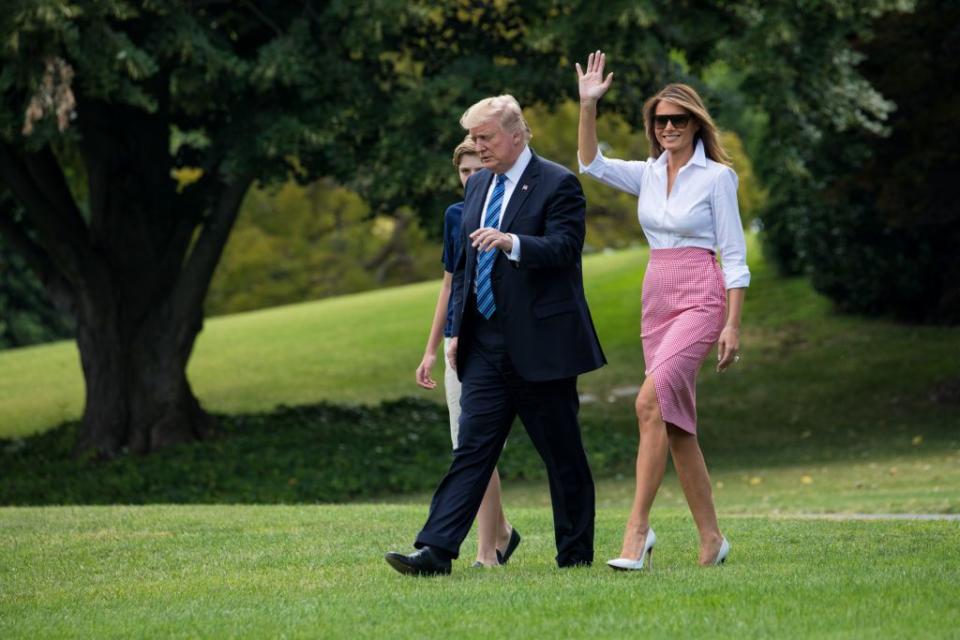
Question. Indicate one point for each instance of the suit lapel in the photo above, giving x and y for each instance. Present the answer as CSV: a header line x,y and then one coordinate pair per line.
x,y
525,186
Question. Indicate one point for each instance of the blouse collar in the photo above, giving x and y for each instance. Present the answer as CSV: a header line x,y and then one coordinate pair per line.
x,y
699,157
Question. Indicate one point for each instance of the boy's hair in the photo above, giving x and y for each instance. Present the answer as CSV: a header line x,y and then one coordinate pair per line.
x,y
464,148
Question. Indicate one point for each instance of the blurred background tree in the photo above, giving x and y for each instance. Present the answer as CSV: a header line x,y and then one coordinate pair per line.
x,y
27,315
884,234
852,111
294,243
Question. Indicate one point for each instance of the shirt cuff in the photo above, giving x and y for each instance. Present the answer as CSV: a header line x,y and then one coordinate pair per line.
x,y
736,276
596,167
514,255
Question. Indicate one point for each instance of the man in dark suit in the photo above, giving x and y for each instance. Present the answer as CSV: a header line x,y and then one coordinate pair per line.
x,y
523,335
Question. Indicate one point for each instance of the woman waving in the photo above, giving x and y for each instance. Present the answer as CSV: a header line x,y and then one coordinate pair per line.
x,y
687,207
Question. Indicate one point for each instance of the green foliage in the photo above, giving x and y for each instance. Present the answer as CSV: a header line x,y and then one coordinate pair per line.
x,y
314,453
806,89
331,70
26,314
367,94
884,238
297,243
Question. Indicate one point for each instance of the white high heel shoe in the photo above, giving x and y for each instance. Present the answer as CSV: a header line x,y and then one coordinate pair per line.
x,y
722,554
626,564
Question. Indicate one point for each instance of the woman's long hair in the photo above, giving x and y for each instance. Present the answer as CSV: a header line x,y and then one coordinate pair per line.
x,y
686,97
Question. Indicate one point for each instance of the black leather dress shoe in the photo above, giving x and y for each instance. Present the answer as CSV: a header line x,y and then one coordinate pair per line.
x,y
511,547
425,562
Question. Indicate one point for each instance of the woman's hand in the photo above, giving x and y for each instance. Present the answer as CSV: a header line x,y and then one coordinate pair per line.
x,y
423,371
592,84
727,347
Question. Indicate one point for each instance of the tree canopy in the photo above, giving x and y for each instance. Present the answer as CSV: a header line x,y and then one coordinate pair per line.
x,y
874,222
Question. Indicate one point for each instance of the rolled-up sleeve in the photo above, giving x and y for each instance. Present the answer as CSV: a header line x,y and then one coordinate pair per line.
x,y
728,227
625,175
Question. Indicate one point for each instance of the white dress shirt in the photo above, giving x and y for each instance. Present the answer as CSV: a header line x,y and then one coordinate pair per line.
x,y
512,176
701,210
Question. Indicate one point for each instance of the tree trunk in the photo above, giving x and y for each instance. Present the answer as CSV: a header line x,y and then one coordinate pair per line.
x,y
134,268
138,398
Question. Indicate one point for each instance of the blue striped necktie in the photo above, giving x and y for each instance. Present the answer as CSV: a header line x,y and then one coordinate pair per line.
x,y
485,304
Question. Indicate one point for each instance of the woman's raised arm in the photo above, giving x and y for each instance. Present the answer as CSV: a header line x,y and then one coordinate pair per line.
x,y
592,87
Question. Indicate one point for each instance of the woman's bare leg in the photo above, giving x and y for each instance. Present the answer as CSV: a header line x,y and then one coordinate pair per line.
x,y
651,465
695,480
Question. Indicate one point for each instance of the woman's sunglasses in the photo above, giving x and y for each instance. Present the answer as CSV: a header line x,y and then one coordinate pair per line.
x,y
679,120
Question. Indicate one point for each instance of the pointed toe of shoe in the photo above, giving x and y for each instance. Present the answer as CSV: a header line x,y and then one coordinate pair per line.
x,y
646,558
625,564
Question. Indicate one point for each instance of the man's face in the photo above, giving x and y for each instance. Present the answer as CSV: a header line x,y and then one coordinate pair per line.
x,y
469,165
498,149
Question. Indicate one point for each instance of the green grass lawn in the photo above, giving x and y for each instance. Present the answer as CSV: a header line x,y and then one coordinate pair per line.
x,y
316,571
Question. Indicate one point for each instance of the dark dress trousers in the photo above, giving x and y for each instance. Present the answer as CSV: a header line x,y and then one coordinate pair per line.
x,y
524,360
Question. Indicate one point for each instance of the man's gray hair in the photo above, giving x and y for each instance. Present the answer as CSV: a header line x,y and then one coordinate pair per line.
x,y
504,109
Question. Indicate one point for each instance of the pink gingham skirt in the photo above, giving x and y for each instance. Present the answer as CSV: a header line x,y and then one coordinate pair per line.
x,y
684,306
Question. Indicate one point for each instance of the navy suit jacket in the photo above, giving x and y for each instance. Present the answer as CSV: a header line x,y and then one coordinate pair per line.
x,y
541,307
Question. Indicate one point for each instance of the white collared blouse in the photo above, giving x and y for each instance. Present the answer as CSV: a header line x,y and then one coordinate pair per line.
x,y
701,210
